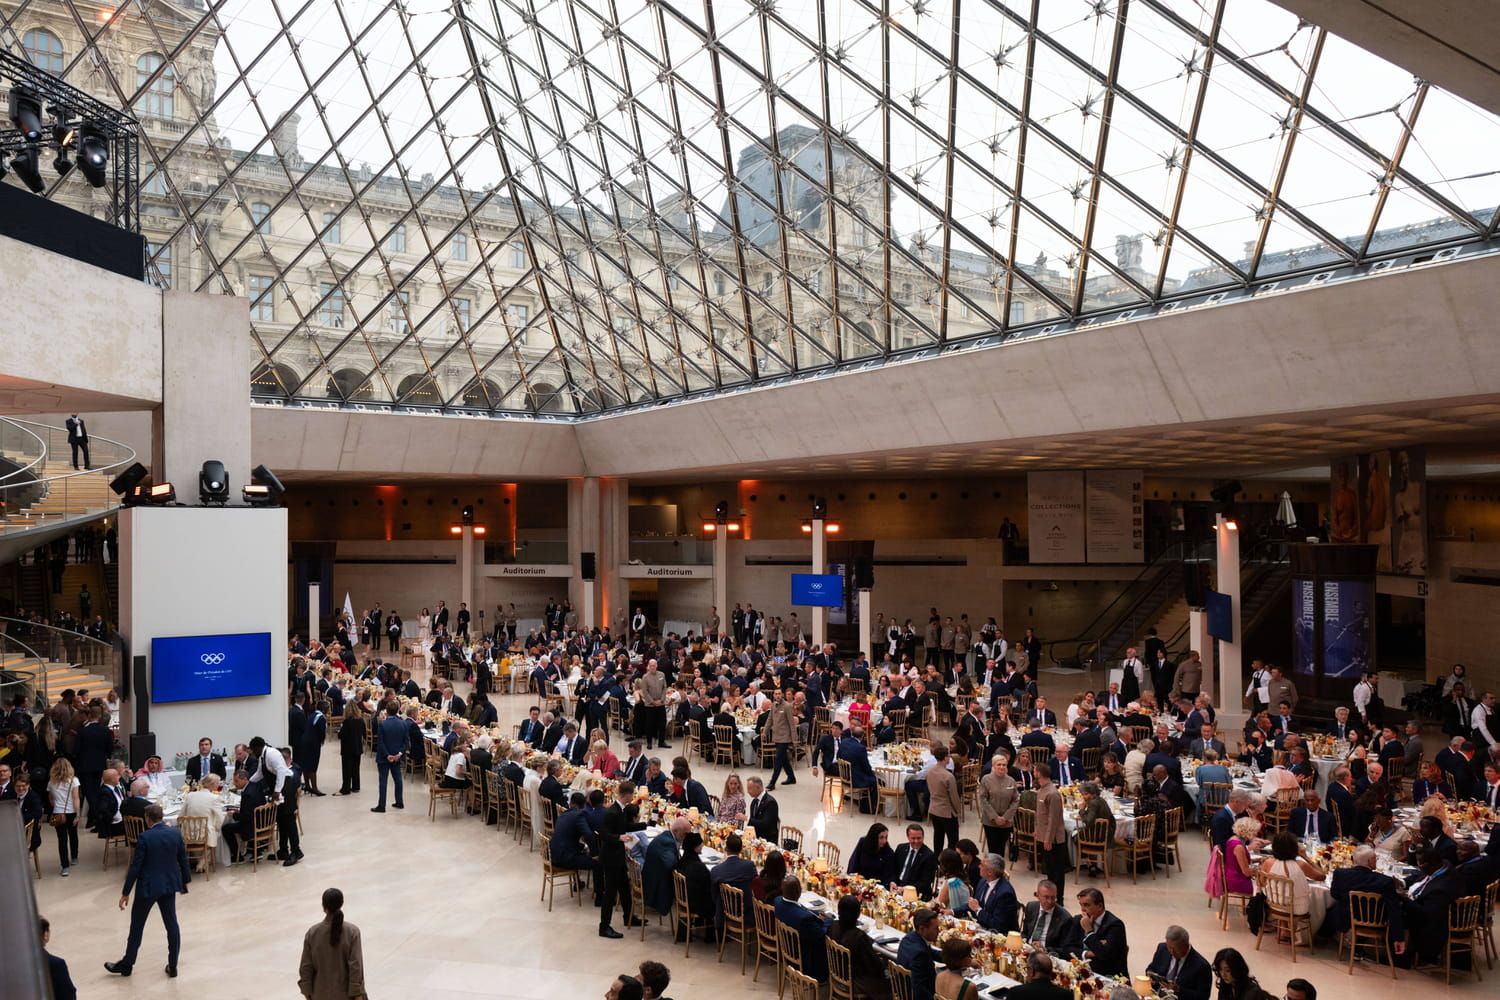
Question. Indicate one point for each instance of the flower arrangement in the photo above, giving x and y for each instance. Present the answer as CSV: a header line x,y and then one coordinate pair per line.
x,y
906,754
744,717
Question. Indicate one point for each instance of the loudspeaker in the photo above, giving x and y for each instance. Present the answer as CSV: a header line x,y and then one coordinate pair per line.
x,y
864,573
586,565
142,745
1194,584
139,693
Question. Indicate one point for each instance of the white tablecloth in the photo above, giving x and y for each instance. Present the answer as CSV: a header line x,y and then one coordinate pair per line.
x,y
171,811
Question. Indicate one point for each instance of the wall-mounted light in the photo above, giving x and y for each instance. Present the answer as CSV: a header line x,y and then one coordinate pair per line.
x,y
455,529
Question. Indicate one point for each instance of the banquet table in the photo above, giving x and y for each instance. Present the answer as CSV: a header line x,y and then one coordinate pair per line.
x,y
894,775
840,714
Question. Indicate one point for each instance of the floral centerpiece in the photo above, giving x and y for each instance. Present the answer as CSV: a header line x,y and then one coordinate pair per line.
x,y
906,754
744,717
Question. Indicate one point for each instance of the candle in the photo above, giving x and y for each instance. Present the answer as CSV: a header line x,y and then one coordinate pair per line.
x,y
1143,986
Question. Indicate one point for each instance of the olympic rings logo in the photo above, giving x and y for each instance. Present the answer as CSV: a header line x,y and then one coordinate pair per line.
x,y
212,659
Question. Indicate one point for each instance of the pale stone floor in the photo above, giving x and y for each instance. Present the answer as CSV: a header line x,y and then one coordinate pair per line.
x,y
449,909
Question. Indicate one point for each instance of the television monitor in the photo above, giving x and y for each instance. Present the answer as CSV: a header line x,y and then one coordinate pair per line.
x,y
204,667
824,590
1219,609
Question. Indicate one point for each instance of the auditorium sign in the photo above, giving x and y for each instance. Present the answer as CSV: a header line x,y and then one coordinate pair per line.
x,y
643,571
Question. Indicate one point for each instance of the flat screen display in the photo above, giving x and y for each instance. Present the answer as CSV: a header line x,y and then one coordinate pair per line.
x,y
823,590
203,667
1220,612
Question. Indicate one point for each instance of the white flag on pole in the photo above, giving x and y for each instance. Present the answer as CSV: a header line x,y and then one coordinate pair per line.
x,y
349,612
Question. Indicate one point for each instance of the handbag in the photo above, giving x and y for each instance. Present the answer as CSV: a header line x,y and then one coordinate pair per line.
x,y
59,819
1256,911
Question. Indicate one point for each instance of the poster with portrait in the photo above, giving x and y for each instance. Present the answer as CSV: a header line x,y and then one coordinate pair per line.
x,y
1408,511
1343,500
1375,506
1348,628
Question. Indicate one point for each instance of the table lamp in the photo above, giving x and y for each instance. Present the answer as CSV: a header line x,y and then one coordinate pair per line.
x,y
1143,986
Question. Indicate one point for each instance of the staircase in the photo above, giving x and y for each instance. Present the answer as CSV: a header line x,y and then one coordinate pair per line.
x,y
51,660
42,497
66,496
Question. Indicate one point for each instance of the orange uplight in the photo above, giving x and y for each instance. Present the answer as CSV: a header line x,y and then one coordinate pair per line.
x,y
479,530
455,529
733,527
807,527
709,527
832,527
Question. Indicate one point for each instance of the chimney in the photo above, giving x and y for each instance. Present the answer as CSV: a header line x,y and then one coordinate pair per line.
x,y
284,138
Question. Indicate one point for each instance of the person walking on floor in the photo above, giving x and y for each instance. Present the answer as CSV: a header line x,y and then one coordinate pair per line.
x,y
391,738
333,962
159,870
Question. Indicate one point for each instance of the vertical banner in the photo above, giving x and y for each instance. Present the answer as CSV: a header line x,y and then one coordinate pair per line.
x,y
1376,523
1115,525
1304,627
1055,503
1409,511
1347,627
1343,500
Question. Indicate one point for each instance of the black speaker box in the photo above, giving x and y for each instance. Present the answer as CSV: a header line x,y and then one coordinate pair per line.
x,y
1194,584
588,567
864,573
142,745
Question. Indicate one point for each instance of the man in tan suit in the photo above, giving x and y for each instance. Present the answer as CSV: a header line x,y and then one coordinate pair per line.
x,y
651,706
946,803
1051,837
998,798
783,726
1188,681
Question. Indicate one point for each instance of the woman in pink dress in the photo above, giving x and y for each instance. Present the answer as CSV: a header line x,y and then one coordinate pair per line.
x,y
1237,866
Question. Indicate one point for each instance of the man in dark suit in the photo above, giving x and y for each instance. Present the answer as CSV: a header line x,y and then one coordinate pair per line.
x,y
826,751
108,805
391,740
91,750
159,870
1361,876
662,856
1428,897
575,843
808,925
1206,740
206,762
1039,984
572,746
1100,935
619,824
1041,713
1178,966
733,870
136,802
392,631
296,721
532,730
1475,871
762,813
633,768
78,439
1046,923
1430,836
914,864
993,904
1309,820
1036,738
551,789
915,952
552,734
852,749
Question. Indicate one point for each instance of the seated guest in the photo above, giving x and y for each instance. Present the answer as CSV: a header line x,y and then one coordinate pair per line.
x,y
688,792
953,891
1039,984
1361,876
700,885
766,886
1430,783
135,804
1093,808
852,749
575,843
1428,898
735,871
1177,966
1099,936
456,773
239,823
867,969
551,787
1111,774
958,957
1430,835
1206,741
662,856
1287,861
914,864
602,759
158,781
1235,981
1386,835
1257,752
656,779
1475,870
1046,925
108,805
205,802
993,905
206,762
1238,869
1310,822
808,925
915,953
871,857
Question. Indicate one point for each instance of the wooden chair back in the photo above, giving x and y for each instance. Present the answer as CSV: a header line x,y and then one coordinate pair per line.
x,y
793,834
1092,758
840,972
724,739
829,852
765,938
802,987
134,827
732,910
789,946
900,978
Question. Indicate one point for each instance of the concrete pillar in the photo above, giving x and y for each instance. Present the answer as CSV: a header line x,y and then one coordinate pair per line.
x,y
584,528
599,522
1199,639
819,565
205,410
866,616
466,566
313,604
721,574
1227,581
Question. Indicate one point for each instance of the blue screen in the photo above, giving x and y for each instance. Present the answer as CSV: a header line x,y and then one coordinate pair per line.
x,y
200,667
1220,612
819,590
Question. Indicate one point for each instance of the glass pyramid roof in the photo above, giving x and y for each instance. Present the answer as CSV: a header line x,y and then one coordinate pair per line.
x,y
572,206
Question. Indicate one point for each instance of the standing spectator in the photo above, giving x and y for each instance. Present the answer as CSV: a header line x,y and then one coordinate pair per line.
x,y
78,439
1280,689
62,796
391,737
159,870
351,749
333,963
57,969
85,603
1051,838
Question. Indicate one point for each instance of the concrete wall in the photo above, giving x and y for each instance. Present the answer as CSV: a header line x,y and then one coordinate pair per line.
x,y
79,329
205,412
1460,616
200,571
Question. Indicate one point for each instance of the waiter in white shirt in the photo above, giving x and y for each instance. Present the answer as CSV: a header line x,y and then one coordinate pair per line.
x,y
273,770
1132,675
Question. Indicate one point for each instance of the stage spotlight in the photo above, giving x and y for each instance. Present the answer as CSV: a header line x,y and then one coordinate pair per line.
x,y
27,163
265,489
153,494
62,138
127,481
213,483
93,155
26,113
